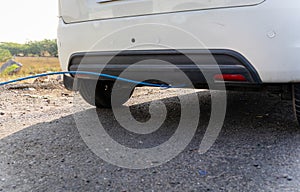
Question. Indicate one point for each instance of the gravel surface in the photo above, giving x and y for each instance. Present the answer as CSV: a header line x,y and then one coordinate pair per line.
x,y
41,148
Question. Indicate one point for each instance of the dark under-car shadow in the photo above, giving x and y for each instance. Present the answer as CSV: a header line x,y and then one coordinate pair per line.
x,y
258,148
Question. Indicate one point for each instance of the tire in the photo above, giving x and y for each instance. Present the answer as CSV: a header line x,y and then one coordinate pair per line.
x,y
96,93
99,93
296,99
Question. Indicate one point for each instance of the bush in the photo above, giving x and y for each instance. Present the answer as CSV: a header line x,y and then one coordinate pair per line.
x,y
13,69
5,55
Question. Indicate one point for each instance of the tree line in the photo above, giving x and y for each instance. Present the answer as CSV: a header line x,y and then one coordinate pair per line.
x,y
46,47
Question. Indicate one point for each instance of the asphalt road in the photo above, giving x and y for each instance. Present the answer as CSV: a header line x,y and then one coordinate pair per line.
x,y
258,150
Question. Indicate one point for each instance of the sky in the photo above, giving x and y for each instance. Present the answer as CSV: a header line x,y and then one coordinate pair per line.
x,y
28,20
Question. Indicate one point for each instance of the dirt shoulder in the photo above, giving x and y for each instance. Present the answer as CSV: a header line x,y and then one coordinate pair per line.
x,y
20,108
24,105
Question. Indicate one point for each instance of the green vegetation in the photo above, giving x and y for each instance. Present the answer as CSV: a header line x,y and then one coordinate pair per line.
x,y
32,65
10,70
5,55
42,48
35,56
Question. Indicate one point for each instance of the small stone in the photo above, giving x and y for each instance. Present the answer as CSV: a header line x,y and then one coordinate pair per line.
x,y
202,173
119,169
31,89
285,176
257,166
65,94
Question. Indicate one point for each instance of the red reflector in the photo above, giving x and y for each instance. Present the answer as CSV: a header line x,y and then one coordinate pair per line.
x,y
229,77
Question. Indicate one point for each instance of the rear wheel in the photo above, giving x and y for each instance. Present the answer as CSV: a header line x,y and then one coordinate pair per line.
x,y
296,99
99,93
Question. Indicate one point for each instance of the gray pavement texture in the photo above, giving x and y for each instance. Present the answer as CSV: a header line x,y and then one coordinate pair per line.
x,y
257,150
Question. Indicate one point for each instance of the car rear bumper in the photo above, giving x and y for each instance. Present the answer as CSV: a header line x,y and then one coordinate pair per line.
x,y
200,66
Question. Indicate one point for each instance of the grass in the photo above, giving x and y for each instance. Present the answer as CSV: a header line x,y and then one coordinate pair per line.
x,y
33,65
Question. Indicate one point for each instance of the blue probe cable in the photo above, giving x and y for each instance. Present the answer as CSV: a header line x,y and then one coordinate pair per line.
x,y
89,73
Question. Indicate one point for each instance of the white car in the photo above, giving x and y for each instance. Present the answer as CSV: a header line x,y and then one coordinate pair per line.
x,y
255,44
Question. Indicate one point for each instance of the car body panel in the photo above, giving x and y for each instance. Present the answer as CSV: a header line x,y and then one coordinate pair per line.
x,y
267,35
86,10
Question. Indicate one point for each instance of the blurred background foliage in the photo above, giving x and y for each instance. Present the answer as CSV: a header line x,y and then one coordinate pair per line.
x,y
44,48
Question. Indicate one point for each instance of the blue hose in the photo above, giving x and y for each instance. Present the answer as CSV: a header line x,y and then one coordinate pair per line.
x,y
89,73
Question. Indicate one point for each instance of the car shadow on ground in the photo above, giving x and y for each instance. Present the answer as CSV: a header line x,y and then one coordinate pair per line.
x,y
257,149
